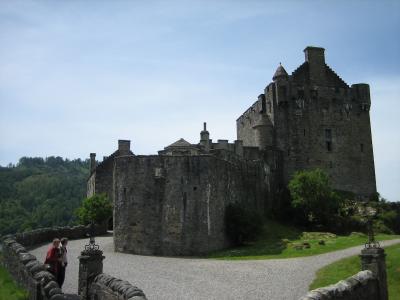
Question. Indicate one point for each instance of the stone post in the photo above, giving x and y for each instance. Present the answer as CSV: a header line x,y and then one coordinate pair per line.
x,y
90,265
373,259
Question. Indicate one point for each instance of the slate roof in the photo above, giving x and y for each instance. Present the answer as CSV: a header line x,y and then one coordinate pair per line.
x,y
280,72
180,143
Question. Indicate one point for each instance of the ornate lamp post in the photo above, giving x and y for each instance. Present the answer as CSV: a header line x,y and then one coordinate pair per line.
x,y
369,213
373,256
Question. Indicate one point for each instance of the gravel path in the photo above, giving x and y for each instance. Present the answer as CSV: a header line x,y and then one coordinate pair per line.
x,y
186,278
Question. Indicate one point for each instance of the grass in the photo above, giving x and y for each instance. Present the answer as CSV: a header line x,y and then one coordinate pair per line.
x,y
281,241
8,288
349,266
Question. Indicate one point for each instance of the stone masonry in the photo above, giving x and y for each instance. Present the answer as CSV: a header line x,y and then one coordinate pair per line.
x,y
174,203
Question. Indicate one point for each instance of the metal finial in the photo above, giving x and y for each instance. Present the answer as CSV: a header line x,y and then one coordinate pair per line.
x,y
92,248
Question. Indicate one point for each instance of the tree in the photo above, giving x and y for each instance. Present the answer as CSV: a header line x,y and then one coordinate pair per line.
x,y
96,208
242,223
313,197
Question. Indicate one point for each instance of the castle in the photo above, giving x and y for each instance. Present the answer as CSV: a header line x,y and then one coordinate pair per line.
x,y
173,203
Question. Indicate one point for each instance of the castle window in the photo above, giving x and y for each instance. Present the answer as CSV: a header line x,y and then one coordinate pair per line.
x,y
328,139
337,90
329,146
304,132
300,94
269,107
314,94
328,134
331,164
362,147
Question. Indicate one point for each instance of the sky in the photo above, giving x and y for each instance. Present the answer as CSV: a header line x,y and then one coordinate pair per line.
x,y
76,76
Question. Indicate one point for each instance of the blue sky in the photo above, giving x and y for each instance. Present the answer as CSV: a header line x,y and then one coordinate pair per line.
x,y
76,76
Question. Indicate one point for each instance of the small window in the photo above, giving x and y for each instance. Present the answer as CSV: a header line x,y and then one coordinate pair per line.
x,y
314,94
304,132
328,134
329,146
362,147
300,94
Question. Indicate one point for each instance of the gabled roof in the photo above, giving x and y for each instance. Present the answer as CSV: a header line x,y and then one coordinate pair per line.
x,y
180,143
302,74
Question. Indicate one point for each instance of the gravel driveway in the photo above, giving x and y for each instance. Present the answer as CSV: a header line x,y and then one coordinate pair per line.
x,y
187,278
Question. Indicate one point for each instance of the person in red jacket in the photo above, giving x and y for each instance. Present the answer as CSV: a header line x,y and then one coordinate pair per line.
x,y
53,257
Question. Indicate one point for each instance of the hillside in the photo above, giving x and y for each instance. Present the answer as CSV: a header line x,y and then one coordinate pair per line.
x,y
41,192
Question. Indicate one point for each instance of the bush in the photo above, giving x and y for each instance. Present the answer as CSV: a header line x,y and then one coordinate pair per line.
x,y
242,223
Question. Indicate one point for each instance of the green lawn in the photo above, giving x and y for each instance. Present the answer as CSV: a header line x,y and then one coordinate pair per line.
x,y
349,266
280,241
8,289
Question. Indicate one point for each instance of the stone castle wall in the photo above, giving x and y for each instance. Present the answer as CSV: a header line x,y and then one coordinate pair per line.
x,y
175,205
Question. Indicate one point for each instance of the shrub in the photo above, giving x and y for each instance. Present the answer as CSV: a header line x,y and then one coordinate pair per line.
x,y
242,223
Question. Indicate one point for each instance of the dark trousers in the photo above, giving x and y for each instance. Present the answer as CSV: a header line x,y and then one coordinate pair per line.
x,y
61,276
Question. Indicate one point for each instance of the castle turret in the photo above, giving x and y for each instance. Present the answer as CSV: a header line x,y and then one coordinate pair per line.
x,y
264,132
205,138
280,73
281,82
316,63
92,162
361,95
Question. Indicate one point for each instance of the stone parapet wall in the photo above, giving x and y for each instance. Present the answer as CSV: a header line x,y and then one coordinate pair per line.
x,y
30,273
106,287
46,235
363,285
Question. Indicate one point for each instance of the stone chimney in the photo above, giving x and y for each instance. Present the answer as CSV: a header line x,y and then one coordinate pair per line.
x,y
124,147
205,138
316,62
92,162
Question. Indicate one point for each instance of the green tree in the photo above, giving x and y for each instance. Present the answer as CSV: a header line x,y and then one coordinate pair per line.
x,y
313,198
96,208
242,223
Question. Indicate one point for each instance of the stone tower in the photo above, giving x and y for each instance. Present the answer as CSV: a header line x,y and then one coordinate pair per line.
x,y
313,119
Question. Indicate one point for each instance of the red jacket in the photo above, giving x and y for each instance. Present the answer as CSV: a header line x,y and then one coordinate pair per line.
x,y
52,258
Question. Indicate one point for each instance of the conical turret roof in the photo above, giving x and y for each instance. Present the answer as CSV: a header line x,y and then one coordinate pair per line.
x,y
280,72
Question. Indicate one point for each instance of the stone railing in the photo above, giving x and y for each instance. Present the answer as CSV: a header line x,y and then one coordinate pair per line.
x,y
363,285
32,275
105,286
369,284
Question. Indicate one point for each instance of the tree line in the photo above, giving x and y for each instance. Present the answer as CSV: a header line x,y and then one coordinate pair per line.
x,y
41,192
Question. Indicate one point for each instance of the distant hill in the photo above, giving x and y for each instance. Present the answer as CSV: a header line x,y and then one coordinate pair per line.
x,y
41,192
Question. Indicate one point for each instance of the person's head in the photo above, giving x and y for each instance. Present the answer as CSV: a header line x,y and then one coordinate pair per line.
x,y
64,241
56,242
